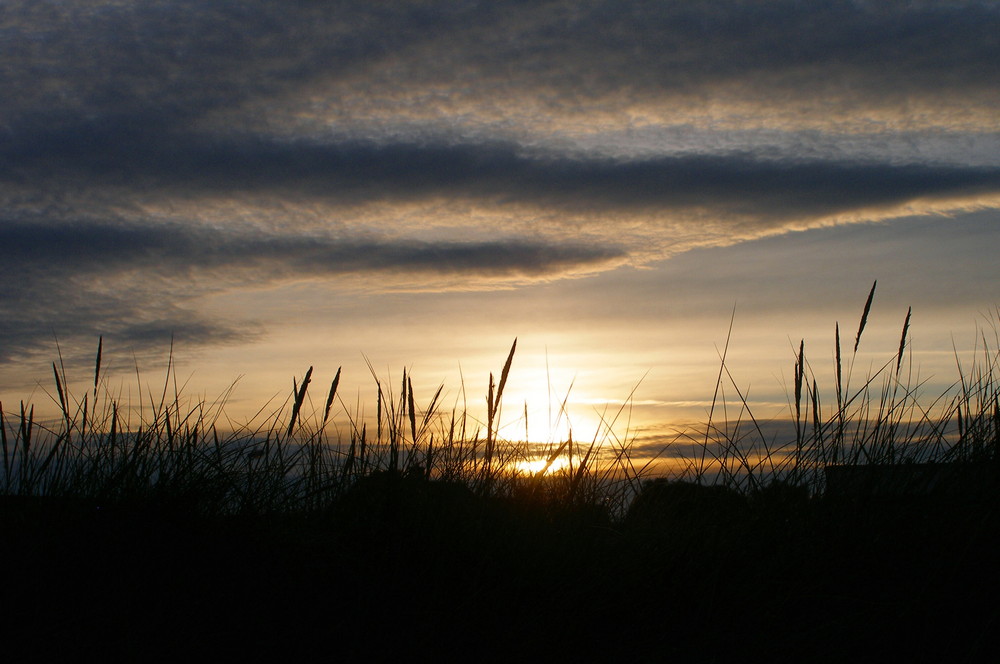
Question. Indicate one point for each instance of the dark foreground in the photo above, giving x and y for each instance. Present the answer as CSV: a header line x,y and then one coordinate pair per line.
x,y
778,579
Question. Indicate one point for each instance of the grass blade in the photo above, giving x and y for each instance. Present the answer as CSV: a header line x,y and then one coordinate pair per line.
x,y
299,398
505,373
6,458
413,410
864,316
330,397
902,340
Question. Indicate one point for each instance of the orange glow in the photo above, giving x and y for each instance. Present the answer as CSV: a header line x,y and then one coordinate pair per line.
x,y
535,466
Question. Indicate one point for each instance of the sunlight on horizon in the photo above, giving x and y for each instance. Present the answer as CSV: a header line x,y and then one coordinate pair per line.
x,y
535,466
548,406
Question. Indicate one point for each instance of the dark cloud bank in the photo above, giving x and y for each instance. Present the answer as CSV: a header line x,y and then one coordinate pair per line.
x,y
177,60
360,172
66,249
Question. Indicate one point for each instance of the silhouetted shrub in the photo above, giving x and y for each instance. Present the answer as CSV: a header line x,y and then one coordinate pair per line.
x,y
679,504
395,498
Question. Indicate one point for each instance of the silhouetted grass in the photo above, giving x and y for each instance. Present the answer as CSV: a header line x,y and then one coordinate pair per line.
x,y
159,525
881,419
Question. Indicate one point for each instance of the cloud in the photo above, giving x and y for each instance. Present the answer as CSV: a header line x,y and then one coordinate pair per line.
x,y
76,314
174,64
753,194
142,284
154,152
595,66
480,102
59,250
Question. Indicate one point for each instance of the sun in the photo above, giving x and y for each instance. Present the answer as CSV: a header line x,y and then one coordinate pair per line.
x,y
535,466
549,409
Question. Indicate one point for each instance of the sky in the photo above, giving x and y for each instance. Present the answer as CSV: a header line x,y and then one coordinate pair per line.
x,y
413,185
